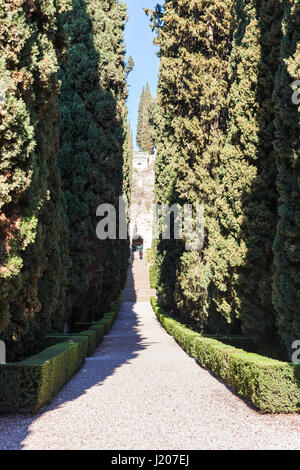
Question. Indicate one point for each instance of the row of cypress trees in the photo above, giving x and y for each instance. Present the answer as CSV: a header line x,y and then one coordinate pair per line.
x,y
64,151
227,135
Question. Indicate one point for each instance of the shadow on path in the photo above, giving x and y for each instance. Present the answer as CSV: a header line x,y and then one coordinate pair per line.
x,y
122,345
129,293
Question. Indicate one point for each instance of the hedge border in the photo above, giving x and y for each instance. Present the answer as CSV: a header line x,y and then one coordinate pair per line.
x,y
270,385
31,384
28,385
152,277
96,330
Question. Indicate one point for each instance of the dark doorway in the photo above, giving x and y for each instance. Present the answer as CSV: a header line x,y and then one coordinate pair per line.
x,y
137,244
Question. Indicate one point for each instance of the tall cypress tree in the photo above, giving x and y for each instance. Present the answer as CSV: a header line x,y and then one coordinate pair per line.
x,y
214,135
247,205
139,134
94,155
147,136
144,131
286,281
33,234
194,39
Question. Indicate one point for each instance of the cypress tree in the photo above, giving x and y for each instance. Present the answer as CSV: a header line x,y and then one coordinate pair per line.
x,y
247,211
33,234
94,158
286,280
214,134
139,134
194,39
144,131
147,137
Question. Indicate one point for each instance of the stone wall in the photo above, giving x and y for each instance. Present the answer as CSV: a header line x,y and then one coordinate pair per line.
x,y
142,204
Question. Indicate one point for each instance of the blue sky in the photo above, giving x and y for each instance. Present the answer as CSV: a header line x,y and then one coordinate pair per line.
x,y
139,44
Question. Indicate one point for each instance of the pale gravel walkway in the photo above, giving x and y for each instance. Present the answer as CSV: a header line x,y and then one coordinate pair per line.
x,y
141,391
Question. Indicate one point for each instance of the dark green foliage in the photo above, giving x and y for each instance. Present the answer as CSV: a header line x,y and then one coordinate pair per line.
x,y
94,156
96,330
93,339
271,386
53,339
246,207
144,137
240,342
286,281
100,332
190,120
227,137
27,386
41,226
103,326
33,234
140,119
153,277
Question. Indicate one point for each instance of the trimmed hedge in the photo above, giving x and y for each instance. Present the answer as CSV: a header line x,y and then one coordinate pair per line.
x,y
52,340
99,329
28,385
149,255
247,343
271,386
152,277
92,336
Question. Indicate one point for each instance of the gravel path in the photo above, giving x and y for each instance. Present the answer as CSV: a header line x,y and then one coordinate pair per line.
x,y
141,391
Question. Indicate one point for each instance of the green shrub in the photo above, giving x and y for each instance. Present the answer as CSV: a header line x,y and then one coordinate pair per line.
x,y
93,157
96,330
247,343
286,247
194,40
271,386
149,255
100,332
93,339
108,320
34,261
152,276
28,385
52,340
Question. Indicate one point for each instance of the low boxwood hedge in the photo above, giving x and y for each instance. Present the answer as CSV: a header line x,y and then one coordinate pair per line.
x,y
92,336
53,339
28,385
271,386
247,343
149,255
152,277
100,328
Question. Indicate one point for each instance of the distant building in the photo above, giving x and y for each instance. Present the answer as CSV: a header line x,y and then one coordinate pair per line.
x,y
141,230
142,210
142,160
